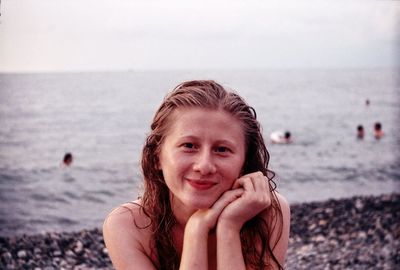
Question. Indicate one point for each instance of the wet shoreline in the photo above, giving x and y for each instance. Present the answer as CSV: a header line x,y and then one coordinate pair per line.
x,y
352,233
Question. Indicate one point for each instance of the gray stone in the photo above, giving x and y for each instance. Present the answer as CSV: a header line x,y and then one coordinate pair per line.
x,y
22,254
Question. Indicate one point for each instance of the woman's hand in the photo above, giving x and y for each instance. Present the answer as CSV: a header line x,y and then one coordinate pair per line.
x,y
207,218
250,195
255,197
195,243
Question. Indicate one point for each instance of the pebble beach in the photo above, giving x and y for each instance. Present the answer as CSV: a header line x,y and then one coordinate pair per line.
x,y
352,233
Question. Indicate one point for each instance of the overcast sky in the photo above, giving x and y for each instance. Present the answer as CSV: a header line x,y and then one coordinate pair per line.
x,y
90,35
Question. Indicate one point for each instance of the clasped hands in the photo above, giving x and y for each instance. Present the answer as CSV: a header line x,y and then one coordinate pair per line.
x,y
249,196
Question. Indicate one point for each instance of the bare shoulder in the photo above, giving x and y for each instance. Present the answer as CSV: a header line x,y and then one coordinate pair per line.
x,y
283,208
128,214
284,205
280,225
127,236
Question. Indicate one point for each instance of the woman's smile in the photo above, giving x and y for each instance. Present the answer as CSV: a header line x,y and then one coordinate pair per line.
x,y
201,184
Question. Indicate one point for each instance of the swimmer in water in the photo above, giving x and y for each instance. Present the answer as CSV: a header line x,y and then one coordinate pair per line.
x,y
288,137
67,161
360,132
280,137
378,133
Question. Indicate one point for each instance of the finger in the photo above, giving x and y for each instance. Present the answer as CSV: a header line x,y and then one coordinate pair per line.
x,y
237,183
260,183
226,198
244,182
250,176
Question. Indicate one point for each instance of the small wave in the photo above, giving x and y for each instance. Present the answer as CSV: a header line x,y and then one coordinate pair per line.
x,y
92,198
52,219
41,171
65,221
105,192
68,179
14,228
47,198
6,177
70,195
38,221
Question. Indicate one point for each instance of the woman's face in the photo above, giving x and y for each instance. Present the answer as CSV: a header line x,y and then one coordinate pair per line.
x,y
201,156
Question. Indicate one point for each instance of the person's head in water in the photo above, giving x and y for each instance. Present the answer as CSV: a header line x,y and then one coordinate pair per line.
x,y
360,132
67,161
378,133
288,136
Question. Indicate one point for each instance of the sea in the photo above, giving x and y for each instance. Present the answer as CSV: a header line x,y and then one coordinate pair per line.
x,y
102,118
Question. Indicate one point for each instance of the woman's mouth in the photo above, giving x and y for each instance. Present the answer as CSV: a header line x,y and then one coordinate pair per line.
x,y
200,184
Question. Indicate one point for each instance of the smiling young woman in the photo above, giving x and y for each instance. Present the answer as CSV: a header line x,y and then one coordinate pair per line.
x,y
209,200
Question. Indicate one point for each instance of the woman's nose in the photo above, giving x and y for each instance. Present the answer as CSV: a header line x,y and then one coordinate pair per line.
x,y
204,163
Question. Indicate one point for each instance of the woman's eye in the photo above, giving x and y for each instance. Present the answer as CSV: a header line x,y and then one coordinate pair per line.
x,y
188,145
222,149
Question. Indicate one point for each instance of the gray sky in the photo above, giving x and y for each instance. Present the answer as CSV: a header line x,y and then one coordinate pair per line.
x,y
90,35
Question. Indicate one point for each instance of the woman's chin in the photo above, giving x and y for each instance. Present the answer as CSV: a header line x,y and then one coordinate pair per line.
x,y
195,202
204,203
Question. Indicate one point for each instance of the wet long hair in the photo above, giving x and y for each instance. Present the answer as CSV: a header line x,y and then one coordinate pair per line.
x,y
255,234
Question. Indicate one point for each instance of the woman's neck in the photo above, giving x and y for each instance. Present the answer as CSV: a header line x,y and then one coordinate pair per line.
x,y
181,212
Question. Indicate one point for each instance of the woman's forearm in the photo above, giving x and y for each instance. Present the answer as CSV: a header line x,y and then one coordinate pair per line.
x,y
229,248
194,253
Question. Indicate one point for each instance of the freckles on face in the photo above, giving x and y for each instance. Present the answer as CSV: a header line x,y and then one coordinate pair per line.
x,y
201,155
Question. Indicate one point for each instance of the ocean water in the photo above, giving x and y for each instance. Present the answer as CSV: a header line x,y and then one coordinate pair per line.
x,y
103,118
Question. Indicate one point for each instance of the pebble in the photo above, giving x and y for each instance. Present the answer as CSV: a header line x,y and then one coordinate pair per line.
x,y
353,233
21,254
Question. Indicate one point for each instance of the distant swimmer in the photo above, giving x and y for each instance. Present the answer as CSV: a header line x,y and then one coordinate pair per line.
x,y
378,133
281,137
67,161
360,132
